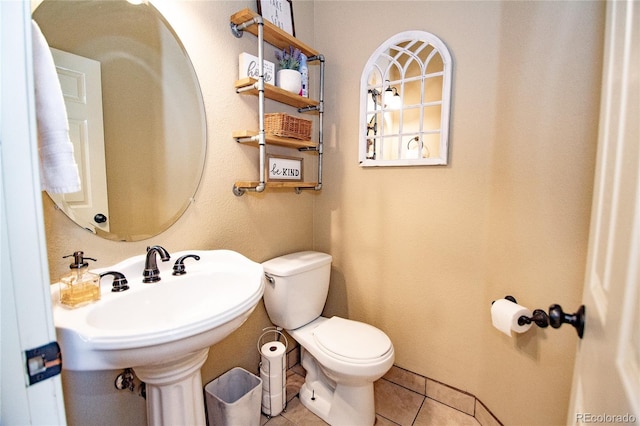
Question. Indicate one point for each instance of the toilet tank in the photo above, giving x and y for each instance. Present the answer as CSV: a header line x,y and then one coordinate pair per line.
x,y
299,289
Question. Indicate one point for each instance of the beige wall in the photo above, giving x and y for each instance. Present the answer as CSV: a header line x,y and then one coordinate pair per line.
x,y
418,252
422,252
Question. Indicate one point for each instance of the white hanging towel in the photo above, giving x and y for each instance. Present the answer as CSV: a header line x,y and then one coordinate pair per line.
x,y
58,168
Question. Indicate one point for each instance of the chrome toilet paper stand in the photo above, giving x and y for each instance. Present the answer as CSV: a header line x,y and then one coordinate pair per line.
x,y
277,335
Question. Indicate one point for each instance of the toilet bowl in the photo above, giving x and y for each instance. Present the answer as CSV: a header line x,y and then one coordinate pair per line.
x,y
342,357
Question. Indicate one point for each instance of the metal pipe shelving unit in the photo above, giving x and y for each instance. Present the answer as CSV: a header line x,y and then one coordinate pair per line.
x,y
247,20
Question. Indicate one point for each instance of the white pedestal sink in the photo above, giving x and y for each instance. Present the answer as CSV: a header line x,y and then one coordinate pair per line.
x,y
162,330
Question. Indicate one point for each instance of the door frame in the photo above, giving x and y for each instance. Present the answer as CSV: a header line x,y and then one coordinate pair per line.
x,y
606,383
27,319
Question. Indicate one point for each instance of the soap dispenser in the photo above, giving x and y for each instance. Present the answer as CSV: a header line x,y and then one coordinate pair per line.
x,y
79,286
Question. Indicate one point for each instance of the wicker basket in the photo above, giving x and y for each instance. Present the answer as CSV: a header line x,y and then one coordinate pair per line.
x,y
285,125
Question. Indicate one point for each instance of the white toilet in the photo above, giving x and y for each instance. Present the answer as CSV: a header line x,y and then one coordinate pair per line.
x,y
342,357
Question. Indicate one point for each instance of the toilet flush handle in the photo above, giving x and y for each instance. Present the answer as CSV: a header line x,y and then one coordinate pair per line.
x,y
269,278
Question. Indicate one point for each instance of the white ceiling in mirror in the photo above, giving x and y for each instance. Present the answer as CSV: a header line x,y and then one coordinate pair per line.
x,y
405,97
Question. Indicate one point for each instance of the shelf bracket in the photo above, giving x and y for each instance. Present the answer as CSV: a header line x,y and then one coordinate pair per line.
x,y
246,139
238,29
235,31
309,108
247,88
318,187
308,149
238,191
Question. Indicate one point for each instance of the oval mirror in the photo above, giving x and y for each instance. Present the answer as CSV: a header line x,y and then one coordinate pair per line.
x,y
405,96
136,115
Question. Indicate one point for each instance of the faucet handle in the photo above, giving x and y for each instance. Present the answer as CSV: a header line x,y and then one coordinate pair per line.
x,y
178,267
120,282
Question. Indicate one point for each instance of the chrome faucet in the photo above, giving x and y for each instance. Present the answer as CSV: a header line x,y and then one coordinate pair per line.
x,y
151,272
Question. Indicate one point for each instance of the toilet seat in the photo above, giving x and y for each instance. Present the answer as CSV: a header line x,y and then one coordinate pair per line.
x,y
351,341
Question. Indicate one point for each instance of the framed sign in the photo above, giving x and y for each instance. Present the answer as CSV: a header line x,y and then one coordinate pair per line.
x,y
283,169
279,13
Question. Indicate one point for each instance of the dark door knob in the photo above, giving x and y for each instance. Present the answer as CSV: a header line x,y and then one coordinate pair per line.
x,y
100,218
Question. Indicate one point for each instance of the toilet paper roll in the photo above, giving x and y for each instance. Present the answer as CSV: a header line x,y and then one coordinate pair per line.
x,y
273,375
272,405
274,353
505,314
273,383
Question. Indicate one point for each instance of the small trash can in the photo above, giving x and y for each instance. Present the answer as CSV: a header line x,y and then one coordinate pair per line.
x,y
233,399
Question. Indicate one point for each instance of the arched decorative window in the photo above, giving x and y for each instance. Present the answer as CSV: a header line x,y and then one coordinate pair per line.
x,y
405,97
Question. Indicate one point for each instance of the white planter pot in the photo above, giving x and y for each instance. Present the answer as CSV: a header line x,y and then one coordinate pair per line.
x,y
290,80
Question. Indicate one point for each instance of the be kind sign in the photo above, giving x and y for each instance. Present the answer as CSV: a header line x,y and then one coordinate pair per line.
x,y
282,169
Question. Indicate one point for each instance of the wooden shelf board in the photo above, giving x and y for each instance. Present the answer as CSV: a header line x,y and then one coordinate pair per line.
x,y
273,140
272,34
252,183
275,93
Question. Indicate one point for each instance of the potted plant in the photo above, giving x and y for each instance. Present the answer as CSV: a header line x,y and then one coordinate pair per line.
x,y
289,77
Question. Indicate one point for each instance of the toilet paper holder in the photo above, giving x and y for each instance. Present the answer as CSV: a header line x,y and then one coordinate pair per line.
x,y
555,318
268,391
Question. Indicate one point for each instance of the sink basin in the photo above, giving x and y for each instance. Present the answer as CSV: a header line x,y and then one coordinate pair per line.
x,y
153,322
162,330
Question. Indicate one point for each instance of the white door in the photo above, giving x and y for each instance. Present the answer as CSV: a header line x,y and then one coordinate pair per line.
x,y
80,79
606,386
26,318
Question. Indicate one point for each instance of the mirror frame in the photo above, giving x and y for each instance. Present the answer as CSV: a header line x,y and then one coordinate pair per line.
x,y
400,44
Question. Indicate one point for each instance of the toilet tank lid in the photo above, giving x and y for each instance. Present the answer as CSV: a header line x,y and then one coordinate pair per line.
x,y
295,263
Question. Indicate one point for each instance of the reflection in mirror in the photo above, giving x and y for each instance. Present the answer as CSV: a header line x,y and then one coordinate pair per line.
x,y
405,96
136,115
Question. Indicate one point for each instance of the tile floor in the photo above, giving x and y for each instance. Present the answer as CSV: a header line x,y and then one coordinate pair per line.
x,y
395,405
